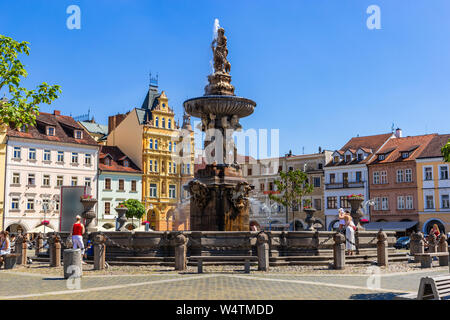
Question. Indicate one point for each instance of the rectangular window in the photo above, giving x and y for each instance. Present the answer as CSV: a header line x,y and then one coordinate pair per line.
x,y
318,204
332,202
57,205
74,157
108,184
170,167
51,131
121,185
332,178
384,203
156,165
17,153
46,180
358,176
249,171
377,203
344,202
270,186
400,202
188,169
376,177
32,154
172,191
150,166
16,178
444,172
74,181
15,203
174,167
87,159
45,205
152,190
107,208
429,202
31,179
383,177
428,173
59,181
316,181
408,175
133,185
261,186
399,176
30,204
47,155
78,134
409,203
87,182
445,204
60,156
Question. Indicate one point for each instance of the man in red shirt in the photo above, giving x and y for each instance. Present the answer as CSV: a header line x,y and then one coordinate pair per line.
x,y
77,235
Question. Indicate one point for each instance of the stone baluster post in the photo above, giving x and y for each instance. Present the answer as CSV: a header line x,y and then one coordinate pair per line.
x,y
19,249
382,249
180,252
99,252
339,251
443,247
413,243
39,244
432,243
55,250
262,243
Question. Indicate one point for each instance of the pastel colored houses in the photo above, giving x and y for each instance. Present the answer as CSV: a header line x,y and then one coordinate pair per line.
x,y
119,179
39,160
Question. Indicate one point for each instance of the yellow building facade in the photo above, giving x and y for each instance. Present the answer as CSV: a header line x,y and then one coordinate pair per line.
x,y
433,178
152,139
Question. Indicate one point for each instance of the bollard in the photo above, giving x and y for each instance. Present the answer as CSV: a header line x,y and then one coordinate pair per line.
x,y
23,257
99,252
262,242
339,251
72,263
39,244
443,247
382,249
432,243
55,250
180,252
19,248
417,245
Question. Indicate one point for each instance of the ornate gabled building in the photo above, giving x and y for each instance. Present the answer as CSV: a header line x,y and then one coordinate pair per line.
x,y
162,149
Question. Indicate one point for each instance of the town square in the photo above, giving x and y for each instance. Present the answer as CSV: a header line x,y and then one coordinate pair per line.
x,y
248,154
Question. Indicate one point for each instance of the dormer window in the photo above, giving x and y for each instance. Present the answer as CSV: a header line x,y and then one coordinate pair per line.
x,y
126,163
107,161
50,131
23,128
360,156
336,159
405,155
78,134
381,157
348,158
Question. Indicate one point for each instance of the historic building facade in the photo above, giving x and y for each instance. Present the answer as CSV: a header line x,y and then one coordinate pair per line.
x,y
97,131
165,153
346,174
262,174
433,186
119,179
40,160
394,180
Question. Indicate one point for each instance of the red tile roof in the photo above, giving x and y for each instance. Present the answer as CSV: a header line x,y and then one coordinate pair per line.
x,y
117,158
395,147
64,130
433,150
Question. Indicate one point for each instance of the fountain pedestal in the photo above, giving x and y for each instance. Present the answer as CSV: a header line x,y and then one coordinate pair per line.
x,y
356,213
89,214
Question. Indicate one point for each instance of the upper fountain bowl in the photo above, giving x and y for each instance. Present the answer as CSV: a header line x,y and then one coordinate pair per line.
x,y
219,105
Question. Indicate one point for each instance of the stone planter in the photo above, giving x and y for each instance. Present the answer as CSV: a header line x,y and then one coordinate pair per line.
x,y
89,214
310,220
356,212
121,219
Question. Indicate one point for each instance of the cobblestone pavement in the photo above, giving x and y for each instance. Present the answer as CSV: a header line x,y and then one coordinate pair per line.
x,y
235,285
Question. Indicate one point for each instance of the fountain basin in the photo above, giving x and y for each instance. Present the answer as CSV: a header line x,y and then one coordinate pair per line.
x,y
219,105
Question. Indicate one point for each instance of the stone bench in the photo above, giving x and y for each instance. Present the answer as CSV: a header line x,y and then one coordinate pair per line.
x,y
426,259
243,259
10,260
430,288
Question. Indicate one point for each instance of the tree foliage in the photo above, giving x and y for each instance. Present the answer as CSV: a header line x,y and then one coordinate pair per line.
x,y
135,208
22,105
446,152
293,186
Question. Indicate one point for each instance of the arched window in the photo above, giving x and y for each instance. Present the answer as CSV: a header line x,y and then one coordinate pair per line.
x,y
163,122
156,122
170,146
150,145
156,144
169,123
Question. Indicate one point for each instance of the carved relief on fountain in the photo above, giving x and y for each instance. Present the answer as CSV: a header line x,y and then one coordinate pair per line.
x,y
199,192
239,196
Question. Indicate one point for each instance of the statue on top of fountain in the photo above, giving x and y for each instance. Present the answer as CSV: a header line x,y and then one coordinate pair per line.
x,y
220,52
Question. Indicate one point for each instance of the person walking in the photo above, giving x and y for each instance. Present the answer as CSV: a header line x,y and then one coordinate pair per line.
x,y
77,236
350,229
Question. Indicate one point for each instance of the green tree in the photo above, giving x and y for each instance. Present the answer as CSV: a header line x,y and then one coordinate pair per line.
x,y
446,151
135,209
22,105
293,186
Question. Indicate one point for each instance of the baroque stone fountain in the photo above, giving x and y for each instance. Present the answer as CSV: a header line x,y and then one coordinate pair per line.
x,y
219,193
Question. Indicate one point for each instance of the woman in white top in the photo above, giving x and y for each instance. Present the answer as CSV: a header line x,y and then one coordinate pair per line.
x,y
349,234
5,247
341,219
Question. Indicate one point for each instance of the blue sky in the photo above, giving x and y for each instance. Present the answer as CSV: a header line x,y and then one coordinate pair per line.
x,y
315,70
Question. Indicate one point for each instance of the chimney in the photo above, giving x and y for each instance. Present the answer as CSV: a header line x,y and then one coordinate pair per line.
x,y
398,133
114,121
56,112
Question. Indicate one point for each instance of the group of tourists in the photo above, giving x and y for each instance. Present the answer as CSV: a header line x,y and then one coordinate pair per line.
x,y
347,226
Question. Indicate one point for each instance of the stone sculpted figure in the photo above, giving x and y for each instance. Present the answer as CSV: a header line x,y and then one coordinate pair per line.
x,y
234,123
220,52
239,195
199,193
